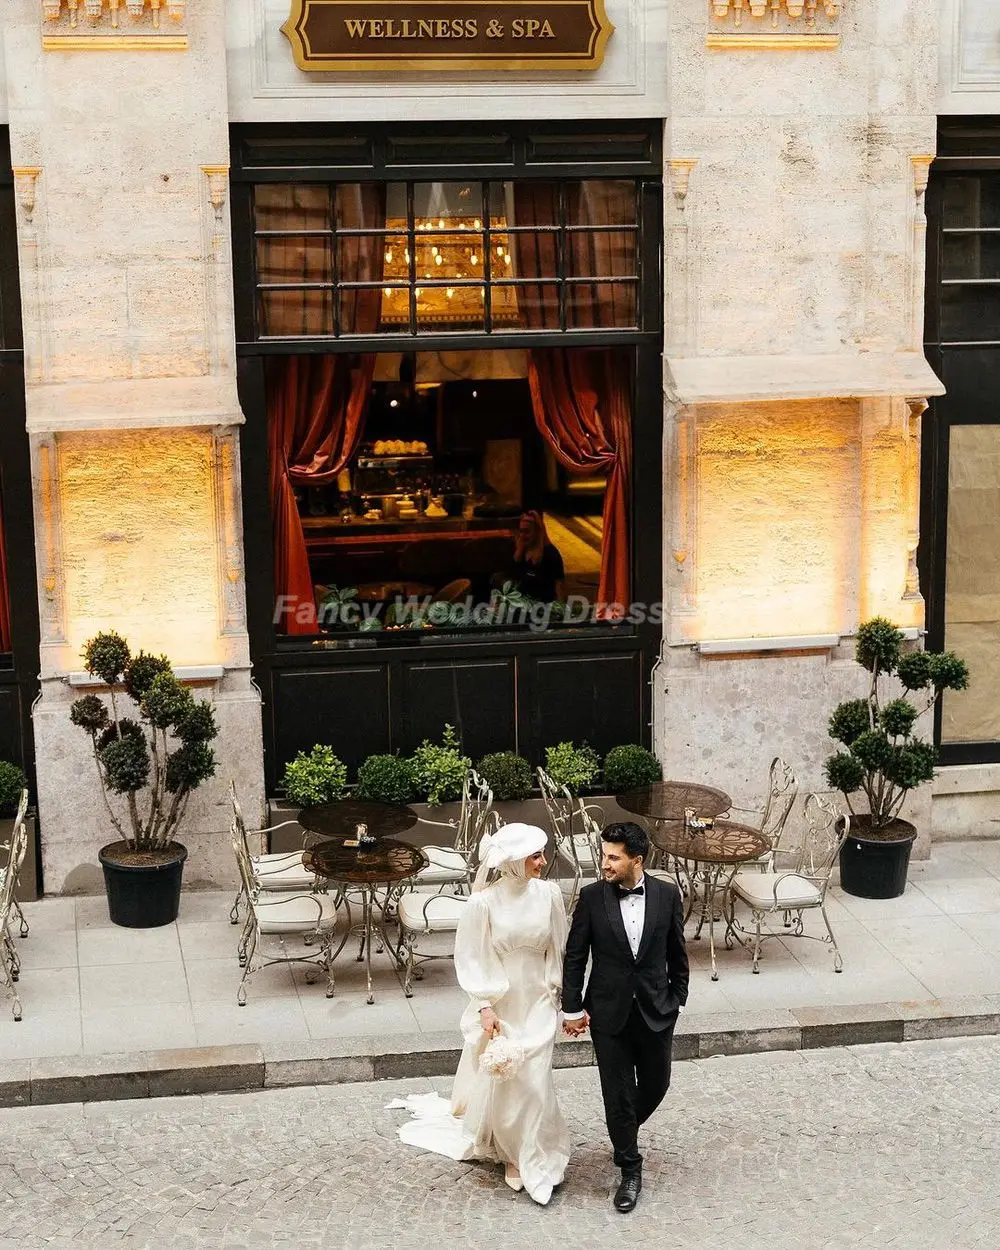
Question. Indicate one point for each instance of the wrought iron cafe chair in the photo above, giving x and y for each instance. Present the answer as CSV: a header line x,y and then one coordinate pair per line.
x,y
782,789
278,870
311,918
450,865
793,892
7,865
425,913
576,834
10,961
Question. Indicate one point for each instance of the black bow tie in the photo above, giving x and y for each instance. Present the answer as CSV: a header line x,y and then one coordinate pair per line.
x,y
622,892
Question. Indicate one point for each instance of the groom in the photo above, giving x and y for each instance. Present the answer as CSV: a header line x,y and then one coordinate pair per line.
x,y
631,926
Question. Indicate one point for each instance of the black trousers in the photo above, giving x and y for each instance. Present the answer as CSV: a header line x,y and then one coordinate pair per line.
x,y
634,1067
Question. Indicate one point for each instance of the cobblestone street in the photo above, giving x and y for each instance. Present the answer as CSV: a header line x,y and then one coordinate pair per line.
x,y
864,1147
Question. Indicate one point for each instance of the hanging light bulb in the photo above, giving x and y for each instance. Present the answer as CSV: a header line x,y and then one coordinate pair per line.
x,y
474,259
450,292
388,255
478,224
506,259
434,251
387,292
439,259
406,255
440,223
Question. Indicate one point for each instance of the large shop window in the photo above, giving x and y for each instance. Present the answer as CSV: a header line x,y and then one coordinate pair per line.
x,y
6,642
459,491
349,259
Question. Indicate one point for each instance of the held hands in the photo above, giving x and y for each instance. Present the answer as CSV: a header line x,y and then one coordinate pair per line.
x,y
574,1028
490,1021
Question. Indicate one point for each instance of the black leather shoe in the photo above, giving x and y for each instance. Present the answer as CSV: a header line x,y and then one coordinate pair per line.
x,y
628,1191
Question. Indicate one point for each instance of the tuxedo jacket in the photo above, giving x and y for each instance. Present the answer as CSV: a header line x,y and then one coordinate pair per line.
x,y
656,979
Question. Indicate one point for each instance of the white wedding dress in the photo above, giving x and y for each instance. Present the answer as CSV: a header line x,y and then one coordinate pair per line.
x,y
508,953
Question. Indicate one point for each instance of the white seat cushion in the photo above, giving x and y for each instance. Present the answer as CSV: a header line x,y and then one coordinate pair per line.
x,y
295,913
445,865
430,913
758,890
283,872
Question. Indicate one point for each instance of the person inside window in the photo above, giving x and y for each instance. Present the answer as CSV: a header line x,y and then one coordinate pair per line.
x,y
538,566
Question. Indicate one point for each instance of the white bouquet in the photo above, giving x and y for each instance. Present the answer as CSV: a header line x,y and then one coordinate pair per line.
x,y
501,1059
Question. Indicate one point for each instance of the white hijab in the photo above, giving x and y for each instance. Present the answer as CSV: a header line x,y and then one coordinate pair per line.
x,y
506,850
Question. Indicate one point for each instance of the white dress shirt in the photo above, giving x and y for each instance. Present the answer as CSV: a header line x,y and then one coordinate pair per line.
x,y
633,908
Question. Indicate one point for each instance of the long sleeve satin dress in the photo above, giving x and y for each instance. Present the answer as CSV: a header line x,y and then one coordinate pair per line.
x,y
508,955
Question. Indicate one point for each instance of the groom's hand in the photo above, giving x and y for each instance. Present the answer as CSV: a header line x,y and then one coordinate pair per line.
x,y
490,1021
573,1028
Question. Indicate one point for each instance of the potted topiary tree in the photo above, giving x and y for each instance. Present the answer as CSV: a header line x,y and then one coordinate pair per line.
x,y
153,761
884,758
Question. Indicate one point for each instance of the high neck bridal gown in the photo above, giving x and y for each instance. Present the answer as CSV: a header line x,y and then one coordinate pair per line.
x,y
508,955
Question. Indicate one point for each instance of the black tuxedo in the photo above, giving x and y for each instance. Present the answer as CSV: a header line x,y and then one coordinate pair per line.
x,y
632,1001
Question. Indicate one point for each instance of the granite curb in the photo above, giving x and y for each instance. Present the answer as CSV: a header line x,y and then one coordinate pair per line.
x,y
275,1065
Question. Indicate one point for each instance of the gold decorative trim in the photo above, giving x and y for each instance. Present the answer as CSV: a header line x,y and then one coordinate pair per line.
x,y
772,43
114,43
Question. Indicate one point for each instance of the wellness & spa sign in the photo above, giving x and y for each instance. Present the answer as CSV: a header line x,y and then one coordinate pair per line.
x,y
359,35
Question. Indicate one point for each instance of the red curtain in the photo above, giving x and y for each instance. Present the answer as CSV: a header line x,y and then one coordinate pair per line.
x,y
583,407
316,404
5,634
316,410
582,400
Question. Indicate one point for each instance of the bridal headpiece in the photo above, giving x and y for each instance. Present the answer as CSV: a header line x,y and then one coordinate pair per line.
x,y
511,844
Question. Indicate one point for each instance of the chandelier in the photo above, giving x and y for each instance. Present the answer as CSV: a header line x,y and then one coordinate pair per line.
x,y
451,253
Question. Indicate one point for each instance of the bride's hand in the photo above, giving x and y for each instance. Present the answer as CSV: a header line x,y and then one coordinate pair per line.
x,y
490,1021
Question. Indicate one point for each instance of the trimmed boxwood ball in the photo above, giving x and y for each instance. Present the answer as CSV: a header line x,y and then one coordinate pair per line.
x,y
507,774
628,766
385,779
316,776
575,767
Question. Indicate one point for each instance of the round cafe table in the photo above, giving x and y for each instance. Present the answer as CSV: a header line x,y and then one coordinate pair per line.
x,y
341,818
363,870
668,800
710,857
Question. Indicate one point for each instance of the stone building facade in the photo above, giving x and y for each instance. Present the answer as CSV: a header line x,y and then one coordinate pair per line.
x,y
797,142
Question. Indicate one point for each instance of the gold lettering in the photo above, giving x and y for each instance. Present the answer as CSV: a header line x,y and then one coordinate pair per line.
x,y
471,28
441,28
425,28
355,29
376,28
546,32
517,28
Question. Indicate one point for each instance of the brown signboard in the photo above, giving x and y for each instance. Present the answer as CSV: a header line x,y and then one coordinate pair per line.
x,y
447,34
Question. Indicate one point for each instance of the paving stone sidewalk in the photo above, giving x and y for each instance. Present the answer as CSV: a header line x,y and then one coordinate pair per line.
x,y
867,1148
91,990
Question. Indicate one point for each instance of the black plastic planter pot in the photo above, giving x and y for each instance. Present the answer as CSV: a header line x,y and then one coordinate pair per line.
x,y
143,887
876,867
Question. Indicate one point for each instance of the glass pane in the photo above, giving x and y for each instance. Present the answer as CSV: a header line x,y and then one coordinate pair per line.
x,y
444,307
972,588
284,313
604,253
972,200
533,203
970,314
448,205
532,256
361,257
294,258
600,202
593,304
502,257
970,256
361,205
283,206
537,306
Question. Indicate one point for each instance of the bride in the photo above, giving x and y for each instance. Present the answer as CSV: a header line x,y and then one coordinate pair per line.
x,y
508,959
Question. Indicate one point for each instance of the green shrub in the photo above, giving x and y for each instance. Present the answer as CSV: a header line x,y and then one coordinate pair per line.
x,y
507,774
883,757
315,776
439,771
575,767
629,766
12,782
385,779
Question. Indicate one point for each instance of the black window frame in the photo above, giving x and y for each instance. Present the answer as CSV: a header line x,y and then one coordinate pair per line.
x,y
966,145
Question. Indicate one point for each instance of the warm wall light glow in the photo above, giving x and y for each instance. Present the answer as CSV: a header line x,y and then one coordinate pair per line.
x,y
139,539
778,518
